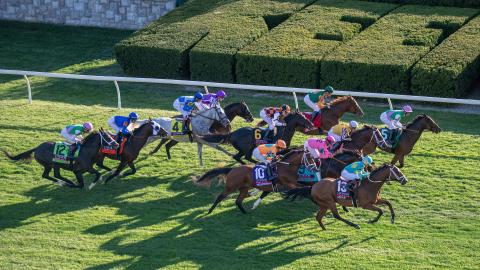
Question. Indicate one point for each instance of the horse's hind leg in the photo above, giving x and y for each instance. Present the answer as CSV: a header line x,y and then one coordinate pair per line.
x,y
345,208
243,194
337,216
133,169
98,176
81,183
169,145
162,142
321,212
259,200
56,174
248,156
46,172
117,171
392,212
219,198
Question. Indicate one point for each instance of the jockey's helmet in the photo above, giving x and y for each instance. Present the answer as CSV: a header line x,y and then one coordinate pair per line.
x,y
353,124
198,95
87,126
285,108
329,89
330,139
133,116
367,160
221,94
407,108
281,144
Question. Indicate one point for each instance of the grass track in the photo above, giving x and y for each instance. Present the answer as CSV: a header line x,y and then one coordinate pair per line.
x,y
154,218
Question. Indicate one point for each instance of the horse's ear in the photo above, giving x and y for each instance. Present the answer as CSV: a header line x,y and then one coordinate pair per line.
x,y
150,119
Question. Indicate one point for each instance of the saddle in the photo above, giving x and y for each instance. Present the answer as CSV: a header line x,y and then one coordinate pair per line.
x,y
317,122
264,135
346,190
111,150
308,173
391,136
65,153
264,174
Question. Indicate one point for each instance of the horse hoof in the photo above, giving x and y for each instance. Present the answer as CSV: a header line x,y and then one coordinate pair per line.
x,y
392,220
356,226
91,186
61,183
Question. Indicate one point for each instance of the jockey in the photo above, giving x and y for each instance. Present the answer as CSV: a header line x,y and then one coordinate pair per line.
x,y
73,133
342,131
210,100
120,124
392,118
186,105
319,149
317,100
356,170
265,153
272,116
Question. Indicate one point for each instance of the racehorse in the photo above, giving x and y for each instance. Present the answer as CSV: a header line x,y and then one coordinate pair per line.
x,y
241,178
231,111
331,116
243,139
410,135
200,122
84,162
360,138
131,149
323,194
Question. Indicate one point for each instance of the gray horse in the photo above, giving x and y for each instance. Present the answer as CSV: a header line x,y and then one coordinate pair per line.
x,y
201,123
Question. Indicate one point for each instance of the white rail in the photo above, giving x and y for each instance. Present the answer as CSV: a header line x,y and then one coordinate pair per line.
x,y
292,90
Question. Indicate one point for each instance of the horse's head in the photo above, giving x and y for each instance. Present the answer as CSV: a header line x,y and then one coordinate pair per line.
x,y
297,119
354,107
150,128
430,124
245,112
388,172
107,139
216,113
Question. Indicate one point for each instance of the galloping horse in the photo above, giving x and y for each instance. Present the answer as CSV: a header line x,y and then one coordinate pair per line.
x,y
243,139
323,194
131,149
84,162
231,111
240,178
201,123
410,135
331,116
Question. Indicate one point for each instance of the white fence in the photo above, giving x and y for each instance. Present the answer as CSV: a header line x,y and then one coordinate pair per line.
x,y
292,90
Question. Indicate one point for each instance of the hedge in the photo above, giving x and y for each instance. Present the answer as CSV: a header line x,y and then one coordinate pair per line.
x,y
451,3
200,39
380,58
290,53
450,68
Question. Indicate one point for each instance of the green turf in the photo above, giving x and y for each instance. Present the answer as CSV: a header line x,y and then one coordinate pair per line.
x,y
154,219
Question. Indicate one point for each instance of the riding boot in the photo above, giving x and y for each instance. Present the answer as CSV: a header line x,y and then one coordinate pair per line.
x,y
71,150
351,187
314,115
267,135
119,141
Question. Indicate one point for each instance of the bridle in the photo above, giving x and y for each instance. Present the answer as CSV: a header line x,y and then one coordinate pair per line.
x,y
381,143
402,179
103,140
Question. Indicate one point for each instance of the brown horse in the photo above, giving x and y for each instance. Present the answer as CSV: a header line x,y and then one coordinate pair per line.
x,y
331,116
240,178
360,138
323,194
410,135
131,149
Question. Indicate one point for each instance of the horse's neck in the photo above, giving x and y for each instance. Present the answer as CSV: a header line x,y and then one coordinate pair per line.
x,y
359,141
138,141
231,111
287,133
375,185
202,123
339,109
419,128
92,148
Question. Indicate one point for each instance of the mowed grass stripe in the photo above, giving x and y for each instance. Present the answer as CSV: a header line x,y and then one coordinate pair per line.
x,y
290,53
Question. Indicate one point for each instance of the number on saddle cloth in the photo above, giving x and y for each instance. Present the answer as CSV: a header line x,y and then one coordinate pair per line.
x,y
341,190
61,153
178,127
391,136
307,175
260,134
263,175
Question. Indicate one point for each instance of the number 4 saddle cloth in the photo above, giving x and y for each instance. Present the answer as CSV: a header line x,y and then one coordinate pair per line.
x,y
65,153
263,174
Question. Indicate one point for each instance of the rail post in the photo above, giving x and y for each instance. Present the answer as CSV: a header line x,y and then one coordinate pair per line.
x,y
390,103
29,89
119,98
295,99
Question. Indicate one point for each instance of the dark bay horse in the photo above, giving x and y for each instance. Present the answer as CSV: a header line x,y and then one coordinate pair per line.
x,y
243,139
131,149
360,138
240,178
410,135
323,194
84,163
232,110
331,116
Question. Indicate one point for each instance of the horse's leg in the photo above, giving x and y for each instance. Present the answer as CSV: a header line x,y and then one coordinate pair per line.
x,y
248,156
46,171
219,198
56,174
162,142
238,157
169,145
243,194
259,200
321,212
132,171
395,159
392,212
117,171
337,216
345,208
100,164
199,152
374,208
98,176
79,176
401,160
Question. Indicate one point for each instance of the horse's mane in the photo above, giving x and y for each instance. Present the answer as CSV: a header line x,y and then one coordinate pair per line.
x,y
380,168
90,136
290,151
232,104
136,130
340,99
417,118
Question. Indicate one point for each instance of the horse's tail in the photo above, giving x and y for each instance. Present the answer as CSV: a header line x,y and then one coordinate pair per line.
x,y
207,178
24,155
305,192
216,138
